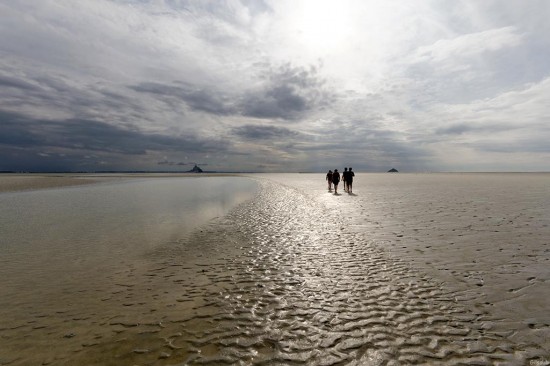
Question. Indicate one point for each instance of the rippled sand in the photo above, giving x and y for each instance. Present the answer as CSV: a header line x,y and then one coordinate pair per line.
x,y
301,276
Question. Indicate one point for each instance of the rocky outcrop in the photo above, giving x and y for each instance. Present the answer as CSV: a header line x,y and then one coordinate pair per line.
x,y
195,169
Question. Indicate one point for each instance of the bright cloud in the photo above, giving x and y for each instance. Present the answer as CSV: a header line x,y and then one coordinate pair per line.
x,y
469,45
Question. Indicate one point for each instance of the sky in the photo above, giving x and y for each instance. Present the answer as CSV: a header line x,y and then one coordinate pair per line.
x,y
275,85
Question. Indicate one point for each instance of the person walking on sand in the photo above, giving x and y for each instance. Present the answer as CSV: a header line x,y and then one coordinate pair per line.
x,y
335,180
329,180
345,179
351,174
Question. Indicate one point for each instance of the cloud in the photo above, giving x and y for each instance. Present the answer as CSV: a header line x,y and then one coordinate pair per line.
x,y
76,136
209,101
466,67
94,135
288,92
11,82
285,92
513,146
468,45
261,132
179,163
466,128
250,83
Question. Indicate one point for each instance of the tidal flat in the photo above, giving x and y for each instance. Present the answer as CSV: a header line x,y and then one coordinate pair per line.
x,y
409,269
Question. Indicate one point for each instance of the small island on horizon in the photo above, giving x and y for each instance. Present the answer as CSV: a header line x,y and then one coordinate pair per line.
x,y
195,169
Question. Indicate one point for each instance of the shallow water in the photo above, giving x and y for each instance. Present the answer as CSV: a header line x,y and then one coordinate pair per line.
x,y
59,246
121,219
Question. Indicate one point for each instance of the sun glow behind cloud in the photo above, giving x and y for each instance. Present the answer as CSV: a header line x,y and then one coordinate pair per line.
x,y
353,39
321,26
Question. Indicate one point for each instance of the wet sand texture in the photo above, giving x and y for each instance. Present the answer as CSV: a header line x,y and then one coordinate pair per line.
x,y
23,182
283,279
12,182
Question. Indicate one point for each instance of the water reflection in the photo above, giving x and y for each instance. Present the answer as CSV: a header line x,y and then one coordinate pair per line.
x,y
61,232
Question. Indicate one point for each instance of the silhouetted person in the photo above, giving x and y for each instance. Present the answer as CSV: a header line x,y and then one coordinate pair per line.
x,y
351,174
345,179
329,180
335,180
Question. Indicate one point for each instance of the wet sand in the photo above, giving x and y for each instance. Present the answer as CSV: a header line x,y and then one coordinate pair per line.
x,y
24,182
14,182
485,237
414,271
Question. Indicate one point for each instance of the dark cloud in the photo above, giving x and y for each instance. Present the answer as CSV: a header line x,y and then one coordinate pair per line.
x,y
457,129
464,128
46,88
11,82
80,136
260,132
36,94
30,159
179,163
288,93
94,135
14,133
364,145
278,102
196,98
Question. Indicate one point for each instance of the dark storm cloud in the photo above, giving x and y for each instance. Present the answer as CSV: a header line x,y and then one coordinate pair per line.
x,y
287,94
90,135
260,132
13,131
196,98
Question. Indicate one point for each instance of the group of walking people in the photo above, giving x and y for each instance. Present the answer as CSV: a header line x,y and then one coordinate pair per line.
x,y
333,178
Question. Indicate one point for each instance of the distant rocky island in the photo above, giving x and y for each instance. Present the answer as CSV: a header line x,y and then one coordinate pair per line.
x,y
195,169
392,170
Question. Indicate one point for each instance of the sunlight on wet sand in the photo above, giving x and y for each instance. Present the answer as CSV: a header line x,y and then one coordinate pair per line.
x,y
412,269
484,236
